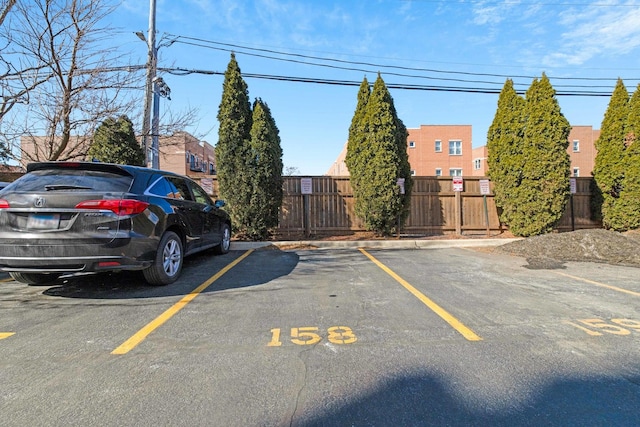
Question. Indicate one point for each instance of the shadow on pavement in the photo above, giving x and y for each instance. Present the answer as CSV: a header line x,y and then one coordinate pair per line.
x,y
258,268
424,400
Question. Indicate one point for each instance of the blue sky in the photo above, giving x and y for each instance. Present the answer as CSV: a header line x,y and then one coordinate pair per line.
x,y
468,45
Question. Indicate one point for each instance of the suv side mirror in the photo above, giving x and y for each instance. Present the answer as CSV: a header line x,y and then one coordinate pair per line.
x,y
220,203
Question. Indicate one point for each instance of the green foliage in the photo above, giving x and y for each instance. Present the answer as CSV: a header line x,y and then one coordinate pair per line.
x,y
528,147
355,160
115,142
233,150
5,149
266,197
249,159
376,158
623,215
504,146
608,170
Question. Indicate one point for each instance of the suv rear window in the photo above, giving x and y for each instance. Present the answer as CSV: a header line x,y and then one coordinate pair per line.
x,y
73,180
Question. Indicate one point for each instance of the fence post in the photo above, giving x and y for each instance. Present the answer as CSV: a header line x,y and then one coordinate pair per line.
x,y
458,202
307,215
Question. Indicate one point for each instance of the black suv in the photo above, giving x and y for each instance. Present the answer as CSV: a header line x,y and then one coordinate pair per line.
x,y
70,217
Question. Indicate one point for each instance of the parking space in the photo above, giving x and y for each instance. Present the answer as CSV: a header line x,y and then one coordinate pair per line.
x,y
327,337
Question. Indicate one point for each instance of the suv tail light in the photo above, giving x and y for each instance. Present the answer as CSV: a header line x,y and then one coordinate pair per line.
x,y
119,207
4,204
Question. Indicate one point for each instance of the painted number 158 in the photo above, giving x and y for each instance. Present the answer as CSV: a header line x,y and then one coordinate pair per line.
x,y
309,335
614,326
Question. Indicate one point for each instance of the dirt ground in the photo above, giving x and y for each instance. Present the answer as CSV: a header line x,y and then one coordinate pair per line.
x,y
593,245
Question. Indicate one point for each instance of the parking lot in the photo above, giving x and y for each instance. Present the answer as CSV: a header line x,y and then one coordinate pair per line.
x,y
335,337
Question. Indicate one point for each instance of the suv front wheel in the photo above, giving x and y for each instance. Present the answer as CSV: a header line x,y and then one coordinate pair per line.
x,y
168,263
225,243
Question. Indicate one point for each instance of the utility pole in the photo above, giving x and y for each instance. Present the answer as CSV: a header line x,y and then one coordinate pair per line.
x,y
151,75
160,88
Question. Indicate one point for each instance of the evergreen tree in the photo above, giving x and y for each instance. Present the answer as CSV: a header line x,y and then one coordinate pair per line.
x,y
355,160
266,198
608,170
379,159
115,142
504,145
233,150
623,214
542,194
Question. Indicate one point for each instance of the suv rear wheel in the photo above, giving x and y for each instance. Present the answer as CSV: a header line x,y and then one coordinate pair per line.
x,y
35,278
168,263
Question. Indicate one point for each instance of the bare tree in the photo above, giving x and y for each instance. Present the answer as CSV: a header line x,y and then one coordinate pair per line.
x,y
77,87
61,80
5,8
16,78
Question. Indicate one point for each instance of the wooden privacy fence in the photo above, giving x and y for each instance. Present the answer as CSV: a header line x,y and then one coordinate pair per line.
x,y
324,205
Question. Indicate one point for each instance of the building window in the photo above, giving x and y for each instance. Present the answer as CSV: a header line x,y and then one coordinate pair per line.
x,y
477,164
212,170
438,146
412,144
455,148
413,173
576,172
195,164
455,172
576,146
438,172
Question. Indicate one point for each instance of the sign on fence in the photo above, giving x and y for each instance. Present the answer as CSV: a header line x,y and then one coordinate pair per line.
x,y
484,187
306,185
458,183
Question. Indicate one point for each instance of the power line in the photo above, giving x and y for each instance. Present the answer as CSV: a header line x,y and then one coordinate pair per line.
x,y
402,86
210,44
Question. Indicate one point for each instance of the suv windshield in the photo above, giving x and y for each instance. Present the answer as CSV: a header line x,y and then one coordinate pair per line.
x,y
73,180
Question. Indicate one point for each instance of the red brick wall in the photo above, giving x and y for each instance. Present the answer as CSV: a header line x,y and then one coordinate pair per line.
x,y
425,160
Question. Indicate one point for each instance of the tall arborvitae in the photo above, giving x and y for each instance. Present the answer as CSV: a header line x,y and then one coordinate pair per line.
x,y
542,195
608,170
623,214
233,150
378,159
266,198
115,142
357,136
504,147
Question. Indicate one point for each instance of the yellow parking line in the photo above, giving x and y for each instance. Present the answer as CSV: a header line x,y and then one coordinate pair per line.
x,y
139,336
452,321
604,285
4,335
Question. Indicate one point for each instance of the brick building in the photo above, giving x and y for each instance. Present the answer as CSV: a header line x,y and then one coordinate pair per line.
x,y
582,152
582,149
440,150
184,154
180,153
446,150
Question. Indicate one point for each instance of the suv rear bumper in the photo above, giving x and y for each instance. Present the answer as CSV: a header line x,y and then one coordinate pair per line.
x,y
131,254
71,265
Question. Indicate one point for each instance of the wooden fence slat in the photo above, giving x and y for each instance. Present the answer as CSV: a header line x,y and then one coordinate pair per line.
x,y
332,207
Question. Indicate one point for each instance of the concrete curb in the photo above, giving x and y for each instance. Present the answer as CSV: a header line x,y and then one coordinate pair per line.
x,y
375,244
